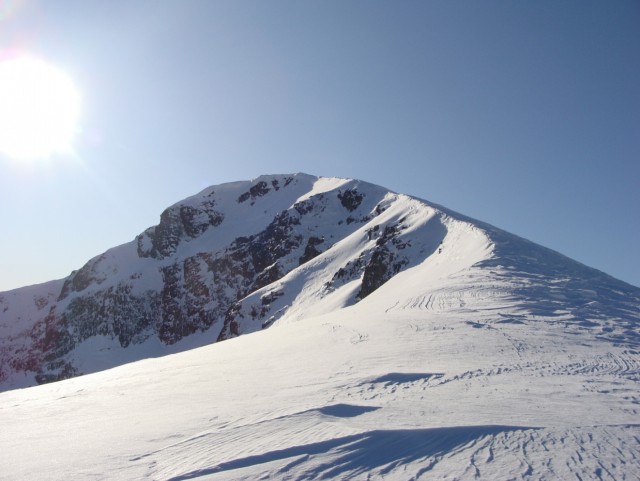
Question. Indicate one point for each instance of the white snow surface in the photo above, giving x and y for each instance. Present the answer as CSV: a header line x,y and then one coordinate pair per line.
x,y
484,361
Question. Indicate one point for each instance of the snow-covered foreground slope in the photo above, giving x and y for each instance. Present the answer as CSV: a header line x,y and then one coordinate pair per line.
x,y
493,359
423,391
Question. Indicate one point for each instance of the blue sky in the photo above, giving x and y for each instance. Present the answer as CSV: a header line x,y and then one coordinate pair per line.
x,y
525,115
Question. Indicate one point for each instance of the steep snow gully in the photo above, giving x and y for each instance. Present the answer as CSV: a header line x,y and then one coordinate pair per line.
x,y
390,339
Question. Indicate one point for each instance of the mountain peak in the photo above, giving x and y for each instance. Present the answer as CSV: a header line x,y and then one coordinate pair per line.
x,y
325,328
243,256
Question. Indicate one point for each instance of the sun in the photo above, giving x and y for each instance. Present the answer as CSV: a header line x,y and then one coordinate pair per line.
x,y
39,109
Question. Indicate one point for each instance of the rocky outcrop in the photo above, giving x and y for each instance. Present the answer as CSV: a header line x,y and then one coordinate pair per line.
x,y
386,259
311,250
177,224
350,199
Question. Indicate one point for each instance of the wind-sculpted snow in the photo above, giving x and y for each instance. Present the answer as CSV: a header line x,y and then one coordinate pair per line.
x,y
549,285
461,452
390,339
362,455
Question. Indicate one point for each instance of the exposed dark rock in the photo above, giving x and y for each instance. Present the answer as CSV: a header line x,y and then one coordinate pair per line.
x,y
304,207
360,220
276,241
256,261
196,221
166,235
310,251
385,262
376,266
272,296
230,323
186,307
267,276
170,327
352,270
83,278
177,224
257,190
63,370
41,302
382,267
350,199
373,231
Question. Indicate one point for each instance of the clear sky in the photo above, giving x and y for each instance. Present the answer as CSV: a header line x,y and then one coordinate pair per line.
x,y
525,115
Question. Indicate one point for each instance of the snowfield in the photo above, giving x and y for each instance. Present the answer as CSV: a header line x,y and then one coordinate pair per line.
x,y
486,357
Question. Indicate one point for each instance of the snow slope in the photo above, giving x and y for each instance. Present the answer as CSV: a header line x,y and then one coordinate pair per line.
x,y
492,359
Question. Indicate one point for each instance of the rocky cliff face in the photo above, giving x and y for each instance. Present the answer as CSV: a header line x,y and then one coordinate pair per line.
x,y
213,268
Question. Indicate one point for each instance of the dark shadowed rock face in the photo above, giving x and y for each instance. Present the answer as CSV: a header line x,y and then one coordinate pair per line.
x,y
258,190
350,199
177,224
386,260
311,250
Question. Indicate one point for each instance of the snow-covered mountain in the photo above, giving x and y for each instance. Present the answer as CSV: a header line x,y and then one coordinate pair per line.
x,y
404,341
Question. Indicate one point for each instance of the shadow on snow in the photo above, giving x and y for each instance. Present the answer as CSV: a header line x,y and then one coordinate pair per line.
x,y
380,450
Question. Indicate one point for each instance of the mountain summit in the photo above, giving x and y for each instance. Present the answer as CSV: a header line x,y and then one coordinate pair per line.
x,y
392,339
240,257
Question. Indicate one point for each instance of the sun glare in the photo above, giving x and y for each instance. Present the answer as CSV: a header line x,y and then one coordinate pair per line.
x,y
39,109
